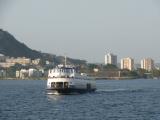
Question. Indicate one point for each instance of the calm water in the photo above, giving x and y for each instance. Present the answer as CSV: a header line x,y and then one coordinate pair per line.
x,y
113,100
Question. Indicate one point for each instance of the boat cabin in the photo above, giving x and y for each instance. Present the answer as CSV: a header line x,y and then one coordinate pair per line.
x,y
62,72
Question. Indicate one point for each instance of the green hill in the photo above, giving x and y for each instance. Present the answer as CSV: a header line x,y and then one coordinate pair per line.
x,y
11,47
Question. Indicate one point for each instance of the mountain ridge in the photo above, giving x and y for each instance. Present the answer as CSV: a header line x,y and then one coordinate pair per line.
x,y
10,46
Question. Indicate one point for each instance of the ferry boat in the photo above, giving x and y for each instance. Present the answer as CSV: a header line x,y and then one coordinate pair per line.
x,y
64,79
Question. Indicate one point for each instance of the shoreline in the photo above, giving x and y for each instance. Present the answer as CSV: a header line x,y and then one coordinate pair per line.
x,y
115,78
23,79
95,78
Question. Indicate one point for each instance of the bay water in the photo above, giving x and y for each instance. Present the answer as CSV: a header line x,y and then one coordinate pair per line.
x,y
113,100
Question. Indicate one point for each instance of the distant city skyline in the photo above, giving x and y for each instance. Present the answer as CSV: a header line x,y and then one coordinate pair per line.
x,y
110,59
86,29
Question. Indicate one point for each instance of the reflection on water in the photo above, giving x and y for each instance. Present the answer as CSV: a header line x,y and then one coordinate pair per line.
x,y
54,97
119,90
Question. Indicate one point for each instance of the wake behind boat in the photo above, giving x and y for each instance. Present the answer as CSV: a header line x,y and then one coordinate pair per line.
x,y
64,79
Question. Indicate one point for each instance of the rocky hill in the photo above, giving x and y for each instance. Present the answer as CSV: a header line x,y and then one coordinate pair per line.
x,y
9,46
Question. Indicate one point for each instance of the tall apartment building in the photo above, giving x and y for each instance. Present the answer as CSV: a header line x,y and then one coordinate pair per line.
x,y
111,59
127,63
147,64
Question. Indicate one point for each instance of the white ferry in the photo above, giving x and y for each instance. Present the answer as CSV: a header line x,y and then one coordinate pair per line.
x,y
65,79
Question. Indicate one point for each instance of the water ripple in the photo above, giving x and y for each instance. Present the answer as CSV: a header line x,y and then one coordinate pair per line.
x,y
113,100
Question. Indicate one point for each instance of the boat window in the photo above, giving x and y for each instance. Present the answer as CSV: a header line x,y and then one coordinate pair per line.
x,y
52,84
67,70
59,84
65,84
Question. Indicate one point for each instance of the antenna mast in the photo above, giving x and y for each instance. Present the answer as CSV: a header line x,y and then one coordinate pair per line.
x,y
65,61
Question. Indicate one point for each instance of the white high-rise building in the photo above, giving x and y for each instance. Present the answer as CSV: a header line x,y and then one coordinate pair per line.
x,y
127,63
111,59
147,64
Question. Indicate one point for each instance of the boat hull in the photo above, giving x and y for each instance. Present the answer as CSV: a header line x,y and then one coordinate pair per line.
x,y
70,85
69,91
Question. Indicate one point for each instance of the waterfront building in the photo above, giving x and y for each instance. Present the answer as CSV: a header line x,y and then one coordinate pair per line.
x,y
3,58
34,73
2,73
17,74
29,73
23,73
127,63
111,59
147,64
19,60
6,65
36,61
96,70
7,62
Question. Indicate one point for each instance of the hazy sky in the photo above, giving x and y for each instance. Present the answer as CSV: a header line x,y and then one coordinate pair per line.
x,y
86,29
